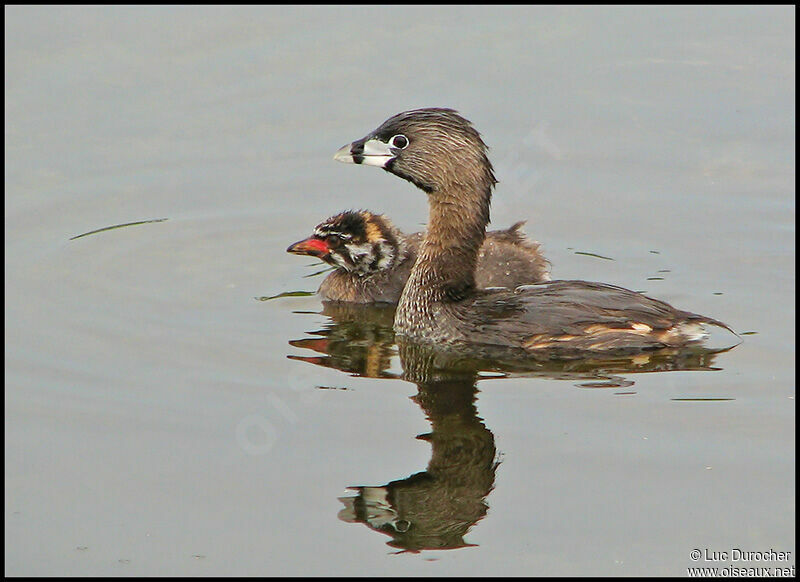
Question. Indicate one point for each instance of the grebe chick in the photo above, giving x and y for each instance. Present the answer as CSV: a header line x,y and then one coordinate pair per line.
x,y
373,258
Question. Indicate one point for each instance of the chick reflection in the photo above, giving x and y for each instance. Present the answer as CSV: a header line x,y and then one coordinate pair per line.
x,y
359,340
434,509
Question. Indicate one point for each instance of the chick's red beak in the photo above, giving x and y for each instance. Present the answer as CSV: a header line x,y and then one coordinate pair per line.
x,y
310,246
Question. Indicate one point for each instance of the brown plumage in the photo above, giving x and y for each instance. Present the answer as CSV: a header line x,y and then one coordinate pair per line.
x,y
442,154
373,258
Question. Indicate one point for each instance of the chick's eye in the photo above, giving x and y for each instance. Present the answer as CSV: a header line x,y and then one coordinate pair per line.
x,y
399,141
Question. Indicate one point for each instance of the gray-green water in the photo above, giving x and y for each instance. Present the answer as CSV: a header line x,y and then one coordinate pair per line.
x,y
153,421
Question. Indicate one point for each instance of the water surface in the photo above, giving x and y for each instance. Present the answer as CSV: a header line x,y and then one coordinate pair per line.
x,y
160,419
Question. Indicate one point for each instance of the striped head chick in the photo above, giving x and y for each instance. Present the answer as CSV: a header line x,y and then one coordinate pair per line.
x,y
358,242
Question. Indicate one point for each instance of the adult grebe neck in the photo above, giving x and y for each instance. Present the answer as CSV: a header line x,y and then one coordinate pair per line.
x,y
445,268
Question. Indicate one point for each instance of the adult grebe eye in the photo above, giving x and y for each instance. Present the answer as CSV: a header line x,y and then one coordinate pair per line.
x,y
399,141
